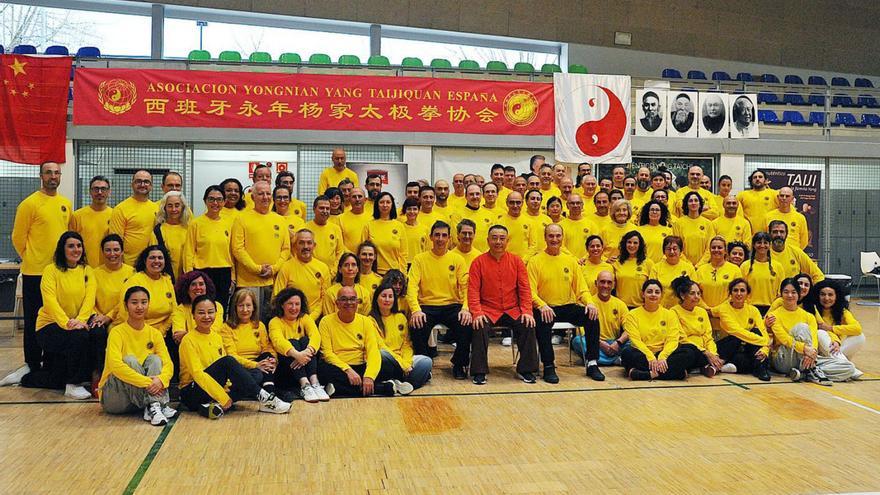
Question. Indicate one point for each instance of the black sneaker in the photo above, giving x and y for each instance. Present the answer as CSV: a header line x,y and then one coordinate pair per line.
x,y
528,377
761,372
479,379
211,410
550,375
459,373
639,375
595,373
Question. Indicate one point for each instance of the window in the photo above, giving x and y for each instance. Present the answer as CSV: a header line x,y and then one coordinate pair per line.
x,y
113,34
396,49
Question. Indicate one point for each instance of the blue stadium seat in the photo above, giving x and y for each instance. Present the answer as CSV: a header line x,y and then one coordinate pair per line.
x,y
793,79
2,50
868,101
25,50
771,98
794,118
794,99
860,82
870,119
88,52
696,74
768,117
770,78
744,77
57,50
817,81
720,75
847,119
842,101
817,99
671,74
817,118
839,81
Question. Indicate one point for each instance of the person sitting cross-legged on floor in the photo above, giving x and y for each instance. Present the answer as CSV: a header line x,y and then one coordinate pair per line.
x,y
395,345
613,339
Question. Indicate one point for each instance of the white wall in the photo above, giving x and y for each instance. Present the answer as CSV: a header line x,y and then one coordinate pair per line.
x,y
734,166
448,161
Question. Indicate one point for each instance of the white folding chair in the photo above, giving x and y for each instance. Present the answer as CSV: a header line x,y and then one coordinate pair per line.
x,y
435,332
569,334
868,261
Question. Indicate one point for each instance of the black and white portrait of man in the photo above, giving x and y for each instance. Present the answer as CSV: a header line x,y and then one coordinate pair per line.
x,y
650,113
713,115
743,123
681,107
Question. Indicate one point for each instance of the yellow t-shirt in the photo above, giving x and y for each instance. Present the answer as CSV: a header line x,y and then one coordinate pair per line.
x,y
522,236
246,343
848,327
756,204
630,276
133,220
695,328
715,281
557,280
109,285
654,333
653,236
391,244
666,273
370,282
763,281
793,260
313,278
39,222
328,304
733,229
258,239
67,294
346,344
611,236
93,226
710,212
330,177
208,243
483,220
798,230
696,234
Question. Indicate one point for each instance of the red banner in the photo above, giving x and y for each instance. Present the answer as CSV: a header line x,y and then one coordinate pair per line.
x,y
33,108
172,98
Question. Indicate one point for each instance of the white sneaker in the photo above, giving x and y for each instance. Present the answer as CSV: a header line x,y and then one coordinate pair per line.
x,y
728,368
618,361
153,414
308,394
857,375
330,389
556,340
402,388
272,404
14,378
506,341
322,394
76,392
168,412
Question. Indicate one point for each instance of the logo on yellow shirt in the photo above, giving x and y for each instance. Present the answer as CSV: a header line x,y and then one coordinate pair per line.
x,y
360,337
256,334
751,321
700,319
63,208
662,323
702,227
400,327
150,345
614,311
276,227
168,295
451,268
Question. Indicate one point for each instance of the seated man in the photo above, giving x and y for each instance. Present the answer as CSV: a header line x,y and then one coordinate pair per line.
x,y
560,294
612,338
499,295
350,357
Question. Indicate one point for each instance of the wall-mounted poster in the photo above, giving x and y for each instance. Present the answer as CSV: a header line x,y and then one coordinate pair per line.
x,y
713,115
682,108
743,124
650,112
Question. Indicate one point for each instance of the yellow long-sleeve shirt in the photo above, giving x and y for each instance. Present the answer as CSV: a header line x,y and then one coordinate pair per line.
x,y
133,220
666,273
630,276
370,282
715,281
437,280
39,222
611,315
849,327
349,344
258,239
68,294
208,243
733,229
328,304
611,235
329,246
353,228
523,239
557,280
162,300
330,177
395,339
793,260
428,219
592,271
313,278
756,205
92,225
785,321
230,213
298,208
653,332
198,351
483,220
282,331
653,236
709,211
175,241
695,328
125,340
740,322
182,319
798,230
764,283
417,240
245,343
391,244
696,234
575,233
108,288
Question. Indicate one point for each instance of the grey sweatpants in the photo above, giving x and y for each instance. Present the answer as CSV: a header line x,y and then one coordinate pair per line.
x,y
118,397
835,368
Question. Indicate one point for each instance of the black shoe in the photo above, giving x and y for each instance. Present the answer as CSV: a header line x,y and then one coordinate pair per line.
x,y
528,377
432,352
639,375
286,395
550,375
211,410
761,372
459,373
595,373
479,379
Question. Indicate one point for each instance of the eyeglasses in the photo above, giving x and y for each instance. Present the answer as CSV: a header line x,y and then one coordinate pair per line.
x,y
99,189
348,300
143,182
214,199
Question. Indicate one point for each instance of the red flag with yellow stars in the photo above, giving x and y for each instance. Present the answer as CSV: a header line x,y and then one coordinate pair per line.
x,y
33,108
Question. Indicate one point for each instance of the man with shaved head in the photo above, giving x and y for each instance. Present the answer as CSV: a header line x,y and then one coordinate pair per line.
x,y
332,176
523,236
798,231
731,226
612,338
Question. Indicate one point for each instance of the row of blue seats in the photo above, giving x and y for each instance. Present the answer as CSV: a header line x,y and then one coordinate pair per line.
x,y
860,82
866,101
796,118
83,52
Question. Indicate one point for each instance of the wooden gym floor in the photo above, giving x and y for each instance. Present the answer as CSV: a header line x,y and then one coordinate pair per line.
x,y
730,434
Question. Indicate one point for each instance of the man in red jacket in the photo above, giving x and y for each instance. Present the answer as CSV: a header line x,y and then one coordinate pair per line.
x,y
499,295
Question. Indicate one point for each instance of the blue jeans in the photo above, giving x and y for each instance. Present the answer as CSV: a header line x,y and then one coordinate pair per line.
x,y
577,346
391,370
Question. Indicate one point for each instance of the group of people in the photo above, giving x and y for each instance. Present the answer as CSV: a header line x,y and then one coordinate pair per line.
x,y
250,300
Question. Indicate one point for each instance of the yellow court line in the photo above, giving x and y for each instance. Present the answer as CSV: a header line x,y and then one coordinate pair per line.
x,y
847,398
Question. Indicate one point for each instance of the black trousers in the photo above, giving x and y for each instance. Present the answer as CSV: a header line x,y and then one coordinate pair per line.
x,y
72,347
733,350
221,370
328,373
174,353
222,278
260,376
677,362
443,315
31,302
98,348
568,313
285,376
525,342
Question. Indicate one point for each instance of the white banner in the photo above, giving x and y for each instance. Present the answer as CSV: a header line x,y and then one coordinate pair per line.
x,y
592,118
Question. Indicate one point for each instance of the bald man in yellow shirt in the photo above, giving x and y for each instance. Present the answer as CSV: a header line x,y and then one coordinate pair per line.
x,y
332,176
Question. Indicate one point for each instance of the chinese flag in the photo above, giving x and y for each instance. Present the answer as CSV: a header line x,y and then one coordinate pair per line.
x,y
33,108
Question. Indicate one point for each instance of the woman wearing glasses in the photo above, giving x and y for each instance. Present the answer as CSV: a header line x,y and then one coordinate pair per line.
x,y
207,245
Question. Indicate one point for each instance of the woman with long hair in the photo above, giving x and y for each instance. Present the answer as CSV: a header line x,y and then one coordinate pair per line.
x,y
655,227
387,234
631,269
762,273
715,276
153,273
840,333
398,282
743,340
805,288
245,338
396,346
172,221
693,228
207,245
670,268
347,275
366,253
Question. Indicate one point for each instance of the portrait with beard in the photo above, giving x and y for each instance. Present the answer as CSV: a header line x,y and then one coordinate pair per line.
x,y
713,115
651,111
682,114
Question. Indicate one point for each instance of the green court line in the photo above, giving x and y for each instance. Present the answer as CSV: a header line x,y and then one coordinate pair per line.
x,y
734,383
145,464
